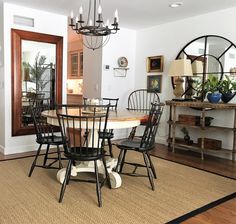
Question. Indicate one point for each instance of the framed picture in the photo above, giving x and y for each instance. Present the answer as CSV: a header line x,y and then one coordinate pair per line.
x,y
155,63
154,83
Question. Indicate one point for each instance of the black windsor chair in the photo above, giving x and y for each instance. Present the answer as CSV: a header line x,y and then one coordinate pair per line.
x,y
113,103
74,122
143,145
140,100
45,135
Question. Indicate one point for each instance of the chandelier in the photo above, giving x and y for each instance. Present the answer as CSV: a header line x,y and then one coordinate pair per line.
x,y
95,31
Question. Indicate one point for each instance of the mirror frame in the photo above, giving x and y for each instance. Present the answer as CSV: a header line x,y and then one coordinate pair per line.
x,y
222,72
16,39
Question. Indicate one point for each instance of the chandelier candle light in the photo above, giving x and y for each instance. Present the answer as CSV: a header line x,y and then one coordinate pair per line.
x,y
95,31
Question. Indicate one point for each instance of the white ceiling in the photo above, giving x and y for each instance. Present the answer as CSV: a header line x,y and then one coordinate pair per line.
x,y
134,14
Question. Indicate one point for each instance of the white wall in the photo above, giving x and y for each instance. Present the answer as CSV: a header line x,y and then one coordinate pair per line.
x,y
92,73
47,23
2,117
168,39
121,44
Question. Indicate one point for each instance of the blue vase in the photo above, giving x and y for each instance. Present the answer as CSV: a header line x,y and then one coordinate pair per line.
x,y
213,97
226,97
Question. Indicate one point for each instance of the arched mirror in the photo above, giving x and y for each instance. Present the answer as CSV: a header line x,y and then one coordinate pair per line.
x,y
210,55
36,72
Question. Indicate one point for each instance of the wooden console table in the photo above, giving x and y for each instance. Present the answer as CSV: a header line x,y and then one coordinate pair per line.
x,y
203,108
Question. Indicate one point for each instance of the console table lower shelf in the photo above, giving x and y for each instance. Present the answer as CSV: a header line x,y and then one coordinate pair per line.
x,y
180,144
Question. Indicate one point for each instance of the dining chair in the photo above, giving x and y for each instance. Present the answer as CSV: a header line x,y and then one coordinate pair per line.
x,y
143,145
109,134
141,100
45,135
74,122
27,118
113,103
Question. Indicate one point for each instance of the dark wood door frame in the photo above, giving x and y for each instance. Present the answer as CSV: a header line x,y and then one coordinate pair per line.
x,y
16,37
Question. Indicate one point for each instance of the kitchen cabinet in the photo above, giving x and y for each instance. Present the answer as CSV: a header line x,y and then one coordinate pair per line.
x,y
75,64
74,98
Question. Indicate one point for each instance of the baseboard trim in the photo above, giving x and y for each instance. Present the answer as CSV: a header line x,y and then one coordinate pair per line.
x,y
2,149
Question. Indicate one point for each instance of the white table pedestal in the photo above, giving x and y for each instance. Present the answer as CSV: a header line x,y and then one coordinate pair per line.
x,y
89,167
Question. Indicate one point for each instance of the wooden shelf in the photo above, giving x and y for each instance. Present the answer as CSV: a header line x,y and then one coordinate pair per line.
x,y
196,147
212,127
204,106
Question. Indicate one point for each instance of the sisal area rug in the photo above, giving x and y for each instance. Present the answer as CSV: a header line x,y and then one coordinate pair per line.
x,y
179,190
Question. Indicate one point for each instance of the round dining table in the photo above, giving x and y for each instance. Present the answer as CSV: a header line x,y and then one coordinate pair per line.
x,y
119,119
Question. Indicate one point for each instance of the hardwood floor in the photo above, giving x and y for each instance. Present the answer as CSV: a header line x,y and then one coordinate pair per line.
x,y
223,213
212,164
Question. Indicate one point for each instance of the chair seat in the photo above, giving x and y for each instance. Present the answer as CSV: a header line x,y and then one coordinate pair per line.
x,y
133,144
83,154
52,140
130,144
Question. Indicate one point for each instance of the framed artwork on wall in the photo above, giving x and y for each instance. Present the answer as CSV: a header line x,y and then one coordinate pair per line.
x,y
154,83
155,63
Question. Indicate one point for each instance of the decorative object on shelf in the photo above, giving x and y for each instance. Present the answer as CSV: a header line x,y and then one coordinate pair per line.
x,y
232,71
193,120
179,68
210,143
186,136
155,63
212,86
120,71
122,62
227,89
154,83
95,31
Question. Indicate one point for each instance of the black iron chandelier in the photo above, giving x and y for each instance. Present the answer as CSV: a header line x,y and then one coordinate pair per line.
x,y
95,31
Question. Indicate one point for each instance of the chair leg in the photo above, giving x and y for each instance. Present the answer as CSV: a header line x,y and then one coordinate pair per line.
x,y
68,180
110,147
132,133
59,157
98,187
63,187
148,170
123,161
106,172
120,157
152,167
46,155
35,160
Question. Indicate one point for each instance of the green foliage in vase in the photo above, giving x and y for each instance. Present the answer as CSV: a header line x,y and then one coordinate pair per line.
x,y
227,85
212,84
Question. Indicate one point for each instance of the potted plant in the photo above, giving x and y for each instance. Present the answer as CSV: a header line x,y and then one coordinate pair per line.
x,y
186,135
227,88
212,87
